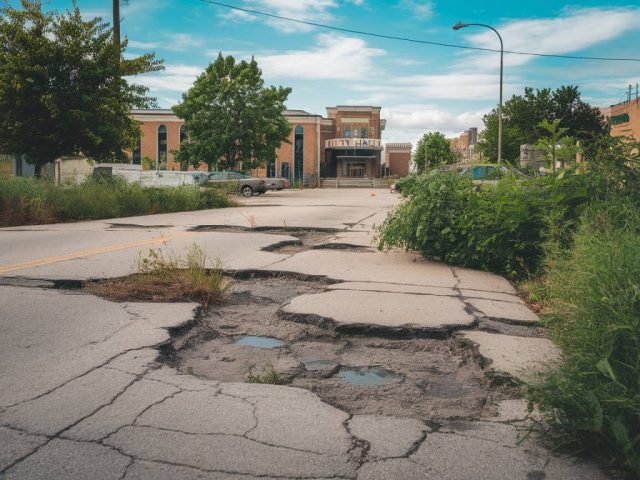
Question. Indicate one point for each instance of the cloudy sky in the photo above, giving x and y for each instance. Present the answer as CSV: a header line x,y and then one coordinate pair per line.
x,y
420,87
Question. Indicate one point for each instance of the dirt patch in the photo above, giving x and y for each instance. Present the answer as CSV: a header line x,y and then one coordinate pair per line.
x,y
419,377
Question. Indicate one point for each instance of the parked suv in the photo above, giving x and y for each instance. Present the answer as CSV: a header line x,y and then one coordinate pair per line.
x,y
247,185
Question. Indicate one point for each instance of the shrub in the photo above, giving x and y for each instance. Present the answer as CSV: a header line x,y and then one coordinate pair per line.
x,y
28,201
591,402
499,226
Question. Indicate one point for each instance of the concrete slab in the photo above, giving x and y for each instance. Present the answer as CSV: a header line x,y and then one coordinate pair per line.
x,y
123,411
318,427
226,453
454,457
388,436
510,312
146,470
394,288
395,469
201,413
60,409
382,311
512,355
15,445
71,461
392,267
475,279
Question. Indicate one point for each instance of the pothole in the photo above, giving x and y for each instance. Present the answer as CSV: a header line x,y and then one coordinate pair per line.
x,y
368,376
244,339
306,238
258,341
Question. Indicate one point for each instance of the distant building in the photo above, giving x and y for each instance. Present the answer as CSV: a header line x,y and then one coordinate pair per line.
x,y
346,143
463,147
397,157
625,118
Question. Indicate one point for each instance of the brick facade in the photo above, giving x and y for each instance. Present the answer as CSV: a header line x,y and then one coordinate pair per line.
x,y
625,119
397,158
318,159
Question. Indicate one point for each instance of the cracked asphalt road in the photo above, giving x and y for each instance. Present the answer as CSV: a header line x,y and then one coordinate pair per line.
x,y
83,395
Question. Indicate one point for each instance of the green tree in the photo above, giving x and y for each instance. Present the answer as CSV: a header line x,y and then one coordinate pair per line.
x,y
432,149
231,118
522,115
555,144
64,87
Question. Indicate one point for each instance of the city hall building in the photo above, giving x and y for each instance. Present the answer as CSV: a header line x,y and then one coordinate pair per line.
x,y
344,144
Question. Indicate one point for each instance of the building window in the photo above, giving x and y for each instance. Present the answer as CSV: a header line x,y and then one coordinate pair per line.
x,y
162,148
137,152
347,132
298,152
183,133
363,132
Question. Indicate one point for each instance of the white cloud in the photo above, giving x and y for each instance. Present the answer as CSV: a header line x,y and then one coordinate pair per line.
x,y
333,57
407,123
420,9
174,78
573,31
142,45
449,86
306,10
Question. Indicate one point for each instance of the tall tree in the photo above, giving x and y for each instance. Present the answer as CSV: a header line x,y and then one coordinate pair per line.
x,y
432,149
232,119
523,114
64,87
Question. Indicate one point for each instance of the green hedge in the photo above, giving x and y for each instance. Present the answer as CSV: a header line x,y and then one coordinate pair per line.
x,y
499,226
591,402
28,201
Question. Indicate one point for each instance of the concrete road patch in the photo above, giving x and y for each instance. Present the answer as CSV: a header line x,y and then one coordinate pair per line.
x,y
515,356
382,310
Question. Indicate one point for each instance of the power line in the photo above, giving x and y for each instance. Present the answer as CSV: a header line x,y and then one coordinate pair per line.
x,y
407,39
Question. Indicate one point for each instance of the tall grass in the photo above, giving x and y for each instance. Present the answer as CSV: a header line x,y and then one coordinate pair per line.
x,y
591,402
28,201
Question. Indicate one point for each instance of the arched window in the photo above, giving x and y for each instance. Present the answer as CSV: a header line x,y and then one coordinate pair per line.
x,y
183,133
298,153
162,148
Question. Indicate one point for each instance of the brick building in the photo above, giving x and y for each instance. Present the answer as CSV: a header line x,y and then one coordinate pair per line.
x,y
625,118
397,157
345,143
463,147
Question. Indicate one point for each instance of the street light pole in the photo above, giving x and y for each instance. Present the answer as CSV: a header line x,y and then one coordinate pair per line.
x,y
460,25
116,24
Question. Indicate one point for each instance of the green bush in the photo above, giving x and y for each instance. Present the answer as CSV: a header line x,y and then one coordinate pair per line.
x,y
28,201
591,402
501,226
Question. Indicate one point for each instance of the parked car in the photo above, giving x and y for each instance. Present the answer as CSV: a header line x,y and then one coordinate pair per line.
x,y
277,183
247,185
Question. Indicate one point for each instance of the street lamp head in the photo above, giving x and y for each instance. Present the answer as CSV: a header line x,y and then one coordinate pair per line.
x,y
459,25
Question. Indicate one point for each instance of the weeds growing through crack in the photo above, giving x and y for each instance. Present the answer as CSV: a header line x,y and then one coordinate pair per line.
x,y
167,277
268,375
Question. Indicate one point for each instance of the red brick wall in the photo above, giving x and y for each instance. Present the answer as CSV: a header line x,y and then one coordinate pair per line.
x,y
399,163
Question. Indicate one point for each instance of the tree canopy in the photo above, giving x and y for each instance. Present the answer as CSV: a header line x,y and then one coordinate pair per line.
x,y
523,114
432,149
64,87
232,120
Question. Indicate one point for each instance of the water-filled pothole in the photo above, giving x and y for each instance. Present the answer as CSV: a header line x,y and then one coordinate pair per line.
x,y
259,341
366,376
426,378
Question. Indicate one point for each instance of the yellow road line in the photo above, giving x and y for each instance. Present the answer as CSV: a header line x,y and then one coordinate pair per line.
x,y
93,251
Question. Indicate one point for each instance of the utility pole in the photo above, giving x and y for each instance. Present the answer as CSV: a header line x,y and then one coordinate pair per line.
x,y
116,23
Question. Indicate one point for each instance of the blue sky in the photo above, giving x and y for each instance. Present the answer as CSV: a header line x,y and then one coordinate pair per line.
x,y
420,87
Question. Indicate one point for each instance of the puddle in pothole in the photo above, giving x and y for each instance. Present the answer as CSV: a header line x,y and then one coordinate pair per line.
x,y
315,365
259,341
366,376
425,378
